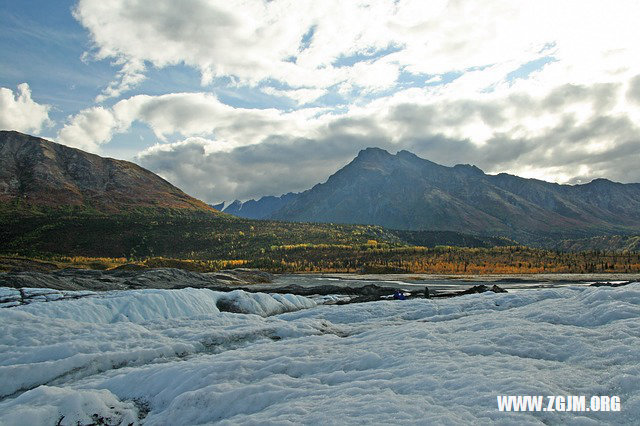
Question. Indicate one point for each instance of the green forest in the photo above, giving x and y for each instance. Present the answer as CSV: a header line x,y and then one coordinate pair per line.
x,y
208,242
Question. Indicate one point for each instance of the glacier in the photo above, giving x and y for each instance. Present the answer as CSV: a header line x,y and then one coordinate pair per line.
x,y
166,357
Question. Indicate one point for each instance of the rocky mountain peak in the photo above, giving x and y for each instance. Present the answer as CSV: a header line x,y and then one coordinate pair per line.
x,y
468,169
373,152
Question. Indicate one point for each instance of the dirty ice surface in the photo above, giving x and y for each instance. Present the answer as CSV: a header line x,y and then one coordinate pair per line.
x,y
167,357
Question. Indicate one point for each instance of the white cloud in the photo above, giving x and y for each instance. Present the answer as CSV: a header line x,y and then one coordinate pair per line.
x,y
129,76
19,112
186,114
300,96
89,129
255,41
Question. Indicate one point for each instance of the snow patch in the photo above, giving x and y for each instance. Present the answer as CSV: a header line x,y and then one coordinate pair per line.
x,y
139,306
52,405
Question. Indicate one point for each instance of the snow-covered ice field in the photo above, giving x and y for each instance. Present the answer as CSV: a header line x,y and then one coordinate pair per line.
x,y
170,357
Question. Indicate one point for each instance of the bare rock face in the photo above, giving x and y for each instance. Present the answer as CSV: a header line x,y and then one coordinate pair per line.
x,y
42,173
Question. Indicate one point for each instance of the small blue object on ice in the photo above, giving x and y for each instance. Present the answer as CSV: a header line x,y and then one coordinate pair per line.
x,y
398,295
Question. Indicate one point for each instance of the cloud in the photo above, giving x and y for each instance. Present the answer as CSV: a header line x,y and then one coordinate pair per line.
x,y
89,129
185,114
365,45
18,111
633,94
300,96
129,76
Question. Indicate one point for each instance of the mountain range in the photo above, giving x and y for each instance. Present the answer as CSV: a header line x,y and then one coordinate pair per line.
x,y
424,203
39,173
404,191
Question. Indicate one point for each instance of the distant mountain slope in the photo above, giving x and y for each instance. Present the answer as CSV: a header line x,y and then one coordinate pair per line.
x,y
404,191
37,172
260,209
450,238
628,243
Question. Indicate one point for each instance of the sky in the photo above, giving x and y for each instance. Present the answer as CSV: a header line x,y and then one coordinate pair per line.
x,y
239,99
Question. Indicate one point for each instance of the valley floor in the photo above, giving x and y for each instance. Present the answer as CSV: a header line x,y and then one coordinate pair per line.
x,y
171,357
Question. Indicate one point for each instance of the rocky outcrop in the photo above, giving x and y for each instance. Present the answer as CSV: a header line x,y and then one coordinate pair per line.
x,y
611,284
161,278
10,297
